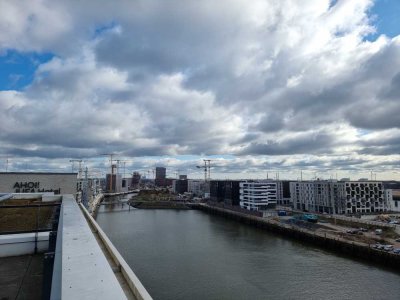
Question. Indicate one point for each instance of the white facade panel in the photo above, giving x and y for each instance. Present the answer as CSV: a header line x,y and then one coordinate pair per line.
x,y
59,183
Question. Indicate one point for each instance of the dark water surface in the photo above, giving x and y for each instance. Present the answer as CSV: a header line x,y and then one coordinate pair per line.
x,y
193,255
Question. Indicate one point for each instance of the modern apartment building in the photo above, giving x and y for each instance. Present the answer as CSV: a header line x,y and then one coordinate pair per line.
x,y
318,196
283,193
258,195
339,197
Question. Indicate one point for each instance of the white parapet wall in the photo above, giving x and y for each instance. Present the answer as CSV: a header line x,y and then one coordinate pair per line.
x,y
133,281
23,243
81,271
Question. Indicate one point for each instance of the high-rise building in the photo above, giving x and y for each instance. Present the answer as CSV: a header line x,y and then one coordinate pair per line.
x,y
161,173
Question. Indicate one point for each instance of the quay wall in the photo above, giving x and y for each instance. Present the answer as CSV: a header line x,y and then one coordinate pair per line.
x,y
329,242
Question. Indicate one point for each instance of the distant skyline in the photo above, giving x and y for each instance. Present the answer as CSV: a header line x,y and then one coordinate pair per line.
x,y
260,87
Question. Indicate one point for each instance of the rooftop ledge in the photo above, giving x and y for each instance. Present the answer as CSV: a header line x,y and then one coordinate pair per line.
x,y
87,265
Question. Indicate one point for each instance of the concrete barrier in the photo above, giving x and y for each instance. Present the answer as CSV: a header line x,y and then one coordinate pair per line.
x,y
23,243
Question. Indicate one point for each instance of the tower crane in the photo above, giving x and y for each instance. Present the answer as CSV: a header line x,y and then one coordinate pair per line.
x,y
207,169
123,162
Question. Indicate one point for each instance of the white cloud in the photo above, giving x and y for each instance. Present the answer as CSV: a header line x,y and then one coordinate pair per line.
x,y
150,78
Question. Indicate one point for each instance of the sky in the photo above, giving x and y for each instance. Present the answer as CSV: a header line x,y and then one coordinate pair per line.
x,y
260,87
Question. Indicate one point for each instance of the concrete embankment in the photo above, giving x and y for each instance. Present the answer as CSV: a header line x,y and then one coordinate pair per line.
x,y
94,204
158,205
327,241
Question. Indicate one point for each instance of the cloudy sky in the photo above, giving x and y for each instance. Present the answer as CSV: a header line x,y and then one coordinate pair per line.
x,y
259,86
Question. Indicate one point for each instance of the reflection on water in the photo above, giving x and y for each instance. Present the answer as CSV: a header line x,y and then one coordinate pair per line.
x,y
193,255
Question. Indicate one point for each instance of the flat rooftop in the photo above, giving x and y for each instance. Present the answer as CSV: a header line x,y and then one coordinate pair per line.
x,y
21,277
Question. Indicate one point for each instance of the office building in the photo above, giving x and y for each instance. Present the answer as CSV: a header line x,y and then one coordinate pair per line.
x,y
225,191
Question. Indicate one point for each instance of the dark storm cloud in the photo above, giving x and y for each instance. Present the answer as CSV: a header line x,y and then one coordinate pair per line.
x,y
304,144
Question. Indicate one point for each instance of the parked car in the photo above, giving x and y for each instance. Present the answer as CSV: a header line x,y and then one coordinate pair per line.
x,y
398,240
363,229
352,231
378,231
388,247
396,250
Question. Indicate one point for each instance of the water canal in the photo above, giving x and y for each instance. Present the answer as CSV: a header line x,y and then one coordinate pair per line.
x,y
193,255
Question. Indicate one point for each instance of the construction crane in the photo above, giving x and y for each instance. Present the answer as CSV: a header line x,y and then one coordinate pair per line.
x,y
124,163
80,166
207,169
177,173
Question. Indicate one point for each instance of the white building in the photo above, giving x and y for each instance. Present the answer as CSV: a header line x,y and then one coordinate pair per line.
x,y
340,197
394,200
258,195
196,187
365,197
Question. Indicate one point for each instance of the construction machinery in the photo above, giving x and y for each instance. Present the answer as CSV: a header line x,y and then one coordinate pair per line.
x,y
207,169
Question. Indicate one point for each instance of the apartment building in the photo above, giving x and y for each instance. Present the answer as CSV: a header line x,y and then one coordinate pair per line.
x,y
196,187
317,196
339,197
258,195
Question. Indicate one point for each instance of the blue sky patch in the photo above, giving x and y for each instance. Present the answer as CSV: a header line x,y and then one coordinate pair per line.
x,y
387,13
17,68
